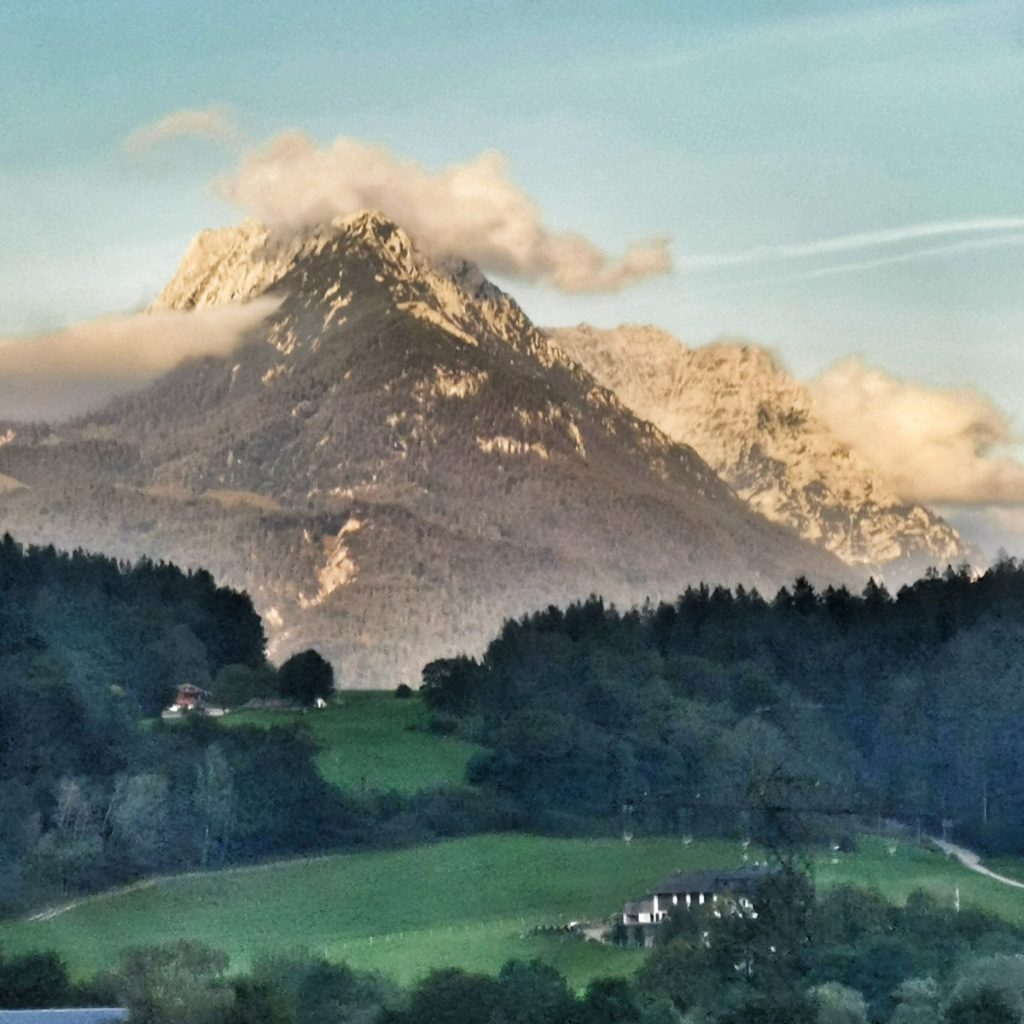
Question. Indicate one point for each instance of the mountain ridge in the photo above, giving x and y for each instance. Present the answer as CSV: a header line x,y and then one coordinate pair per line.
x,y
758,428
392,463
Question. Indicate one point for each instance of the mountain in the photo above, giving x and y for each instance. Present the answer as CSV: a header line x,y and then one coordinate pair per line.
x,y
756,426
393,462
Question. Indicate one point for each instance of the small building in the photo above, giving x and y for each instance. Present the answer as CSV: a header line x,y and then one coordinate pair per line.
x,y
691,890
190,698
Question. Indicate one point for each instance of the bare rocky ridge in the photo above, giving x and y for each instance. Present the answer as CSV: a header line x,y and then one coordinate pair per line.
x,y
755,425
392,463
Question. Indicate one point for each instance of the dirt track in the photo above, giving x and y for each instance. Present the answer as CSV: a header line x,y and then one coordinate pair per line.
x,y
971,860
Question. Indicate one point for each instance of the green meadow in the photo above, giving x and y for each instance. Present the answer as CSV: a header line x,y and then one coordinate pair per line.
x,y
471,902
895,875
373,740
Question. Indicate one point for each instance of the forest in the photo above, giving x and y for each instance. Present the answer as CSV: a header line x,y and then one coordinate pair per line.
x,y
89,650
95,789
721,713
711,711
789,721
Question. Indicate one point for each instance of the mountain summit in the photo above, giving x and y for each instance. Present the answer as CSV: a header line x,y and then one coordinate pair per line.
x,y
394,461
756,426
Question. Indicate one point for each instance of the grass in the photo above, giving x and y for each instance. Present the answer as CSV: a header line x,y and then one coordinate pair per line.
x,y
910,867
373,740
469,902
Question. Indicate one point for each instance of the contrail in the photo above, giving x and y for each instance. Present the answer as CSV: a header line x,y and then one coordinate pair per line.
x,y
933,252
851,243
1002,242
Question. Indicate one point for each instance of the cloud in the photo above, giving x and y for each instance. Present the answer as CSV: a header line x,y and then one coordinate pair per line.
x,y
933,445
857,242
473,210
68,372
213,123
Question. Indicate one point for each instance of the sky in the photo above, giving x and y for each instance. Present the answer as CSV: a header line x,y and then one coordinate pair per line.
x,y
828,179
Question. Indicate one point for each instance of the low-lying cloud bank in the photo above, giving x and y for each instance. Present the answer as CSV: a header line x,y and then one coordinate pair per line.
x,y
472,210
933,445
61,374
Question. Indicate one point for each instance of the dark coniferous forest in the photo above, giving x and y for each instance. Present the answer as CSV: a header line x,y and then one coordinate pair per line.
x,y
88,648
703,713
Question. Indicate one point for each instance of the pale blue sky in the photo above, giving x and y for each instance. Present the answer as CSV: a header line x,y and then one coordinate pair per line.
x,y
726,124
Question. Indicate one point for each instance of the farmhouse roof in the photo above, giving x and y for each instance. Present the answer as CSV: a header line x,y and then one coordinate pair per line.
x,y
711,881
192,688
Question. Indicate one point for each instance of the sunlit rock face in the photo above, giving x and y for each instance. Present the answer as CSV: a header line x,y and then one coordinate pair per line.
x,y
392,462
756,427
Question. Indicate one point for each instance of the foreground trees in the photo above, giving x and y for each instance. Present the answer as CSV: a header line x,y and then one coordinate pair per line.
x,y
305,677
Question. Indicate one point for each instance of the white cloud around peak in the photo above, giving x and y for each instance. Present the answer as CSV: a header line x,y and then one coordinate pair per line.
x,y
933,445
473,210
213,123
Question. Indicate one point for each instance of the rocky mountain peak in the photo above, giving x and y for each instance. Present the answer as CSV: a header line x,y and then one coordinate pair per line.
x,y
377,230
235,264
345,265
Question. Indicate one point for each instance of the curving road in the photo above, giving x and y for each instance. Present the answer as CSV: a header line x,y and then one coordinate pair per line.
x,y
971,860
50,913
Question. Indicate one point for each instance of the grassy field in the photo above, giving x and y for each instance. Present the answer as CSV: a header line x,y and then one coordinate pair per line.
x,y
470,902
910,867
372,740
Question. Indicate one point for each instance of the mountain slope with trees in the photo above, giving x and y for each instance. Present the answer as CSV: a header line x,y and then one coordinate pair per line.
x,y
88,796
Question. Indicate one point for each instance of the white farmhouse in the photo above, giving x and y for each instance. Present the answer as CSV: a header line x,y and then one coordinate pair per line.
x,y
690,890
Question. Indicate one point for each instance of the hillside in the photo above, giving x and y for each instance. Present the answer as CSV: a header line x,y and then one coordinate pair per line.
x,y
371,741
470,903
756,426
393,462
677,714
